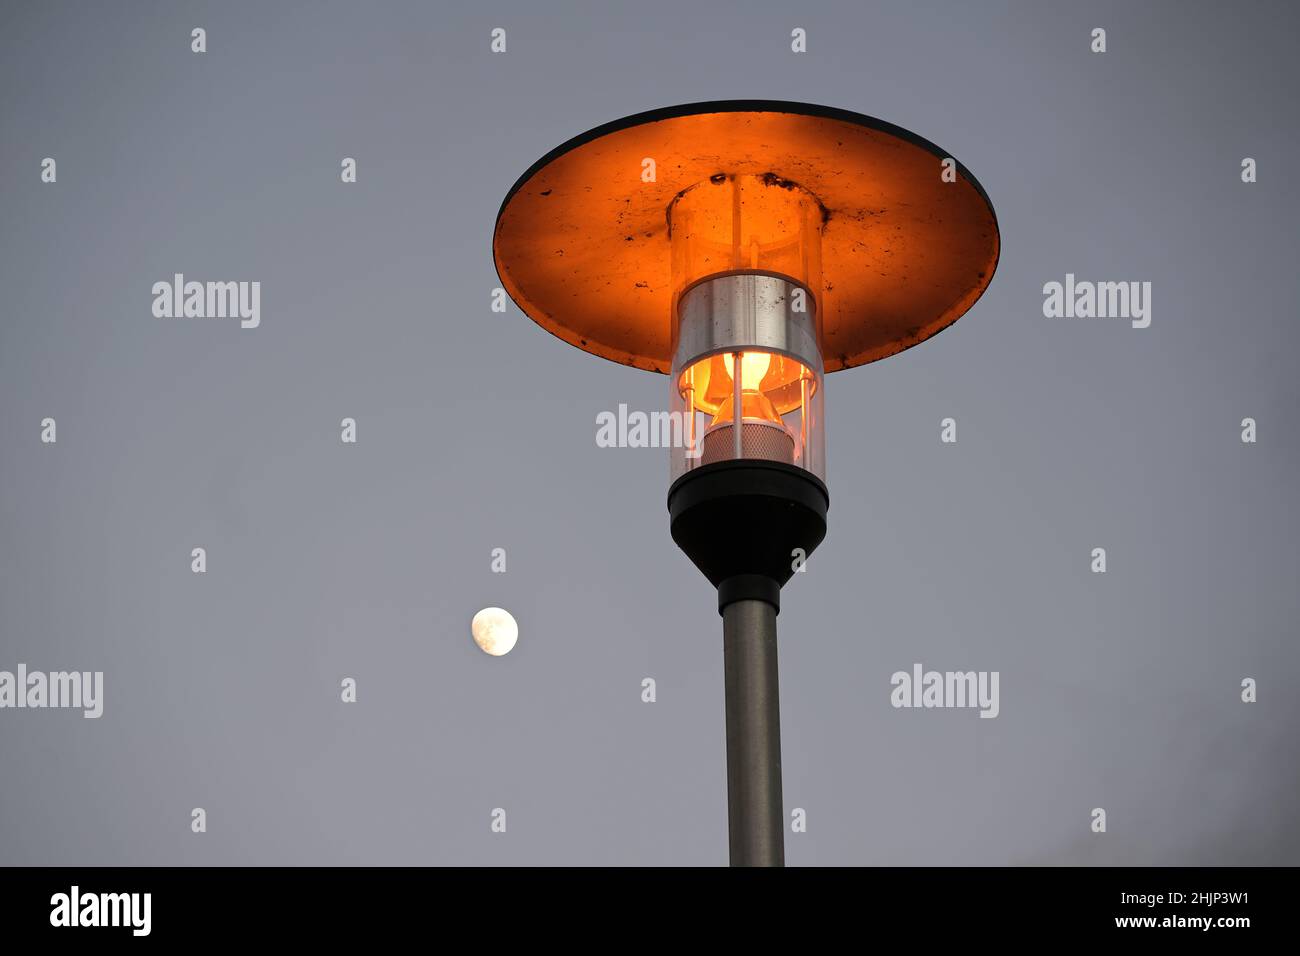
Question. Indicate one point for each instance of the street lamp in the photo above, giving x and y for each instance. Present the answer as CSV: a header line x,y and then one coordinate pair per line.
x,y
746,249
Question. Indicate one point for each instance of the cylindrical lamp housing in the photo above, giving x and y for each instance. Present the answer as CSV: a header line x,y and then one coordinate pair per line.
x,y
747,369
747,498
747,374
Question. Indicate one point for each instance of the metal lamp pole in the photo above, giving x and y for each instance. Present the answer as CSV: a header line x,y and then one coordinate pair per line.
x,y
754,810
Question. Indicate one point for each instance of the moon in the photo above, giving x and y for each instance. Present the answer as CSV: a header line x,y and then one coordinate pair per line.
x,y
494,630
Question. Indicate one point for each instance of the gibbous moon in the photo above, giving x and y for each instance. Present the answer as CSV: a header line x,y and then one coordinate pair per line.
x,y
494,631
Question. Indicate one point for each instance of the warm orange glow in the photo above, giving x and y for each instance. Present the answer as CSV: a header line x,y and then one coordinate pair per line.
x,y
774,378
753,366
854,209
736,223
754,406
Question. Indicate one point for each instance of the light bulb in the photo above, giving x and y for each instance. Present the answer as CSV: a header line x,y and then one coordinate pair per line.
x,y
753,366
754,407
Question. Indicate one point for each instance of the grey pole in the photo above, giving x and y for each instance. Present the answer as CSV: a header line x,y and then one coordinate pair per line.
x,y
754,810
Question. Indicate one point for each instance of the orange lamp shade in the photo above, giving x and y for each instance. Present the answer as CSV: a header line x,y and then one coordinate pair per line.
x,y
600,238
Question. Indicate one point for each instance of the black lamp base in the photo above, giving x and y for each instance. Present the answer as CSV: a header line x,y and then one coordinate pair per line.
x,y
744,523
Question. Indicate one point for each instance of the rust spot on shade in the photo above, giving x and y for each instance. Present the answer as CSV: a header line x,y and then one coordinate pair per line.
x,y
772,179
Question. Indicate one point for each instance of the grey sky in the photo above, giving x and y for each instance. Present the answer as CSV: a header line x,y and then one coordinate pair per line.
x,y
476,430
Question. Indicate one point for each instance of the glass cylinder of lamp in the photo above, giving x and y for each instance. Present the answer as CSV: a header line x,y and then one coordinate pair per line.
x,y
747,369
747,375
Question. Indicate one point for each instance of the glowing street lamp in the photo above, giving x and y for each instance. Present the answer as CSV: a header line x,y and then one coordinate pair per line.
x,y
746,249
